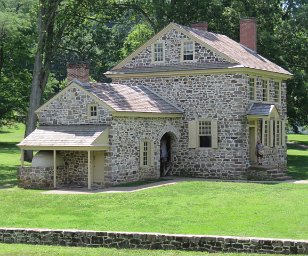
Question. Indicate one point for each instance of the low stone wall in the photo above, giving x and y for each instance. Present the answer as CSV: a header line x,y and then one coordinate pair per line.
x,y
39,177
152,241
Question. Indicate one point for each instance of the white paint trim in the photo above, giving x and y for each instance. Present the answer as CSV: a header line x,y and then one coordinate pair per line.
x,y
54,168
89,169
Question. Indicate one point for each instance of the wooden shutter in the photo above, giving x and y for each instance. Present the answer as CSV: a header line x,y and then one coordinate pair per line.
x,y
271,133
151,153
263,128
192,134
283,132
141,153
214,132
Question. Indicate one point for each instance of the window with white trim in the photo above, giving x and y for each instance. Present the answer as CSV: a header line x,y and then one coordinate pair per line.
x,y
273,131
146,153
158,52
202,133
205,134
265,90
277,93
188,50
92,111
252,88
265,133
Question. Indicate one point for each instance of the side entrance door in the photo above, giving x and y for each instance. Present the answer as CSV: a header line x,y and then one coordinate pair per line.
x,y
98,166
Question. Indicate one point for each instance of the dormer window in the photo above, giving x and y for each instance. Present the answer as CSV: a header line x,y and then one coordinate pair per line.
x,y
92,111
188,48
158,52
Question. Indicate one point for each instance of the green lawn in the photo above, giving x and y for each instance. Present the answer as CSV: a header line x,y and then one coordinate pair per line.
x,y
298,156
38,250
217,208
9,154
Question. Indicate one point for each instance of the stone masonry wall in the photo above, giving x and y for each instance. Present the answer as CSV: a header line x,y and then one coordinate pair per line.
x,y
221,97
123,159
74,172
72,108
153,241
172,41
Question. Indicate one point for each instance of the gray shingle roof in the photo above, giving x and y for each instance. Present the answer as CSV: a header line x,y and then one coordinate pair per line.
x,y
240,53
124,98
261,109
63,136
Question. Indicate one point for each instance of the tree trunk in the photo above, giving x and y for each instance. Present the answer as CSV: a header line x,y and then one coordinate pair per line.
x,y
40,70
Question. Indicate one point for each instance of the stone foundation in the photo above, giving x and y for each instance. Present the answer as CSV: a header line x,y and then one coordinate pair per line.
x,y
84,238
258,172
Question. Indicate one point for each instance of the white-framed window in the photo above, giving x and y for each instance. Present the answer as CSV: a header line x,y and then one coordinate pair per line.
x,y
158,52
273,133
92,111
202,133
252,88
188,49
277,91
146,153
265,133
265,90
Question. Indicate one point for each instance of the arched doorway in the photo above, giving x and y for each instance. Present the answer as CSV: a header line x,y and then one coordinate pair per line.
x,y
166,144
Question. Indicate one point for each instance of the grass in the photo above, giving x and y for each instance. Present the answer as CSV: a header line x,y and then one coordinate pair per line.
x,y
39,250
213,208
298,156
9,154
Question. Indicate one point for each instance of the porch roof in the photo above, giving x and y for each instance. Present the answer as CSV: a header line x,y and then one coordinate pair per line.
x,y
261,109
66,136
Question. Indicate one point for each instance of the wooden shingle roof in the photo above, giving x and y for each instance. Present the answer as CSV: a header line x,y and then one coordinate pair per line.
x,y
124,98
64,136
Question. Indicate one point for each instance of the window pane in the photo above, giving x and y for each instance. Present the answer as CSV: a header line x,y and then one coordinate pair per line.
x,y
205,141
188,51
265,90
158,52
251,88
145,153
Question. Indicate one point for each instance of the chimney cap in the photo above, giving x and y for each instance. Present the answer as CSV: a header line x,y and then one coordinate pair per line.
x,y
79,71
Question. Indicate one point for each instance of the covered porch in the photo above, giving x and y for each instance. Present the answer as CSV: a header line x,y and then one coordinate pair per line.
x,y
71,155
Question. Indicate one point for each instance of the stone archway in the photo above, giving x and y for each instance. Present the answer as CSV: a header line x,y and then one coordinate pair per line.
x,y
167,152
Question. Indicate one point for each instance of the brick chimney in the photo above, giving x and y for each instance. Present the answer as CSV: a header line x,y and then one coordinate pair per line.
x,y
200,25
79,71
248,33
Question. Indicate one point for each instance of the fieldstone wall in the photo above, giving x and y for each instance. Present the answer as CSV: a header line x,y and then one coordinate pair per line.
x,y
39,177
72,108
73,173
152,241
221,97
172,42
123,158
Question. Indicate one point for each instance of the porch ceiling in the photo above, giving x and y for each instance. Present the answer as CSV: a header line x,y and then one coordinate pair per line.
x,y
66,137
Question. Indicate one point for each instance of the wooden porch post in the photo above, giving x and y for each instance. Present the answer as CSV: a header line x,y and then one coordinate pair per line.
x,y
54,168
89,169
22,157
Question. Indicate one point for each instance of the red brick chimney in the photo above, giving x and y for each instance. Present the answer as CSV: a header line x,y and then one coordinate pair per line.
x,y
79,71
248,33
200,25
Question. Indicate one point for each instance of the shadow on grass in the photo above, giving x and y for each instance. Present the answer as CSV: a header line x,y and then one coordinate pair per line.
x,y
8,175
298,166
8,147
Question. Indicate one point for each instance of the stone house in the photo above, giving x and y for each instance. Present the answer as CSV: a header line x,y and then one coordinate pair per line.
x,y
188,102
